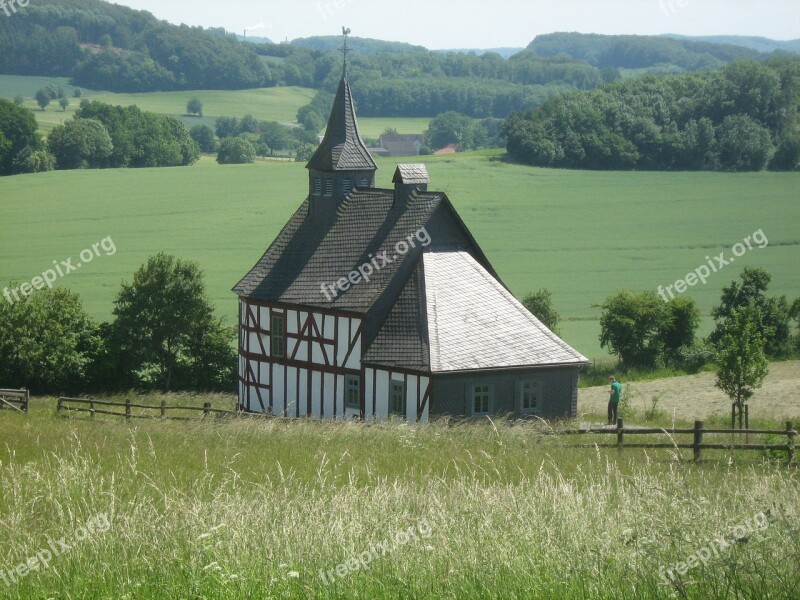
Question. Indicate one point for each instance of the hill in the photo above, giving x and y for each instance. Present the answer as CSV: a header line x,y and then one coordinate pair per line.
x,y
224,218
363,46
639,51
761,44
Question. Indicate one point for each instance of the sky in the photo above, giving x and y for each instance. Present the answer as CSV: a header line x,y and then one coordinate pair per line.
x,y
441,24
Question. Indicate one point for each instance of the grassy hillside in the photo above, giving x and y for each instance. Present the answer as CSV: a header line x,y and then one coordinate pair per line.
x,y
270,508
270,104
583,235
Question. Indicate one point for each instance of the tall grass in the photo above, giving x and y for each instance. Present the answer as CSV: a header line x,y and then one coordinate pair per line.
x,y
255,509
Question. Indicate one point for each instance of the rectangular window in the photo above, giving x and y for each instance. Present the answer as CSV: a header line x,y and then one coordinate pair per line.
x,y
317,186
328,186
347,186
277,334
397,398
352,389
481,399
529,397
363,182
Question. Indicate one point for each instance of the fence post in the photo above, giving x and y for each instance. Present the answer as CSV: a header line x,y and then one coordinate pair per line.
x,y
91,408
163,408
790,442
620,427
733,415
27,399
698,439
59,406
747,416
127,409
206,407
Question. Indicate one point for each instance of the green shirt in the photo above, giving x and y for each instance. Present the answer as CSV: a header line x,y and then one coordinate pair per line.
x,y
616,390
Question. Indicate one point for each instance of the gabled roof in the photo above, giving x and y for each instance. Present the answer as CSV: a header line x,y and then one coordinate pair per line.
x,y
411,174
310,252
475,323
342,148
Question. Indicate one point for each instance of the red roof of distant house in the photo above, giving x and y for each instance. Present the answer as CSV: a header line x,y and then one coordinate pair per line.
x,y
449,149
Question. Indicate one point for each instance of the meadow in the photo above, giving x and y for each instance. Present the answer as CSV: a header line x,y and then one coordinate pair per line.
x,y
268,104
583,235
231,509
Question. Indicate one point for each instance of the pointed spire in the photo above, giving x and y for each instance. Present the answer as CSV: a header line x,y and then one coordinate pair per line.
x,y
342,148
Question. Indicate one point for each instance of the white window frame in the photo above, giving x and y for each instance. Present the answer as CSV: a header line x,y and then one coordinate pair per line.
x,y
392,398
348,388
482,389
537,388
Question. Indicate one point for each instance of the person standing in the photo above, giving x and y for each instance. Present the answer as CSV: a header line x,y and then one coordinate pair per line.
x,y
614,392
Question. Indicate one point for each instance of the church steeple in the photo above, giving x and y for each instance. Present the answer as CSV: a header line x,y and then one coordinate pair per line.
x,y
342,161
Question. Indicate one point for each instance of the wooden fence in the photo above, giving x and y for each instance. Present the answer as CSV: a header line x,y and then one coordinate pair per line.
x,y
91,406
697,445
16,399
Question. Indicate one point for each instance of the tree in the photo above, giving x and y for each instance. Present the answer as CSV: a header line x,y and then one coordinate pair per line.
x,y
63,103
744,145
19,100
630,327
43,98
165,324
204,136
450,128
77,92
80,144
772,319
45,341
541,305
194,107
18,137
742,364
235,150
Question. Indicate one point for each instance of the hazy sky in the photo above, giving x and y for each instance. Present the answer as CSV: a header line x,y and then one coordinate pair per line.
x,y
469,23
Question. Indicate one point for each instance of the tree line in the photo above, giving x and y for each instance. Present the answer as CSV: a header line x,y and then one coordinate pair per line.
x,y
164,336
98,136
739,118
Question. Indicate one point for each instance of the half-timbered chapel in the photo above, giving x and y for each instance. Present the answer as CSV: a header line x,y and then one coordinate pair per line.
x,y
375,302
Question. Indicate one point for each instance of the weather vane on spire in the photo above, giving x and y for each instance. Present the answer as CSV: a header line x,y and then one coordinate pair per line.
x,y
345,49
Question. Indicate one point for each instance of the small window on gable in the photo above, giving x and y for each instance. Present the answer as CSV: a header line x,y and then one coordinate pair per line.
x,y
347,186
481,399
397,398
530,397
317,186
363,182
352,390
328,186
277,336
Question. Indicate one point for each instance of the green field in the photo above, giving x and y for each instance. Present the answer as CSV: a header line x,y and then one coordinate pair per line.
x,y
269,104
259,508
584,235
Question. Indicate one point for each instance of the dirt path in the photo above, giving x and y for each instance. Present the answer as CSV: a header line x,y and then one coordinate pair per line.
x,y
695,397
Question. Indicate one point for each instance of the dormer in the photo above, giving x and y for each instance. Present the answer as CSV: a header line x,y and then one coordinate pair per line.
x,y
409,178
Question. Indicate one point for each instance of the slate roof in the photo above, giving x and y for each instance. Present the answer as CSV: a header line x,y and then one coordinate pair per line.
x,y
411,174
310,252
342,148
403,339
476,323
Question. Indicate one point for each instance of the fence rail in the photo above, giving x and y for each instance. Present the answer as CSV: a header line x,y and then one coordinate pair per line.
x,y
12,398
697,444
67,405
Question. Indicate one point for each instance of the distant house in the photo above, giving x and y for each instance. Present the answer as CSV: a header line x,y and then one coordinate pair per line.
x,y
375,302
449,149
402,144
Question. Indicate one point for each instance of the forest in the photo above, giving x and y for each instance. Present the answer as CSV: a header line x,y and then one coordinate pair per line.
x,y
742,117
